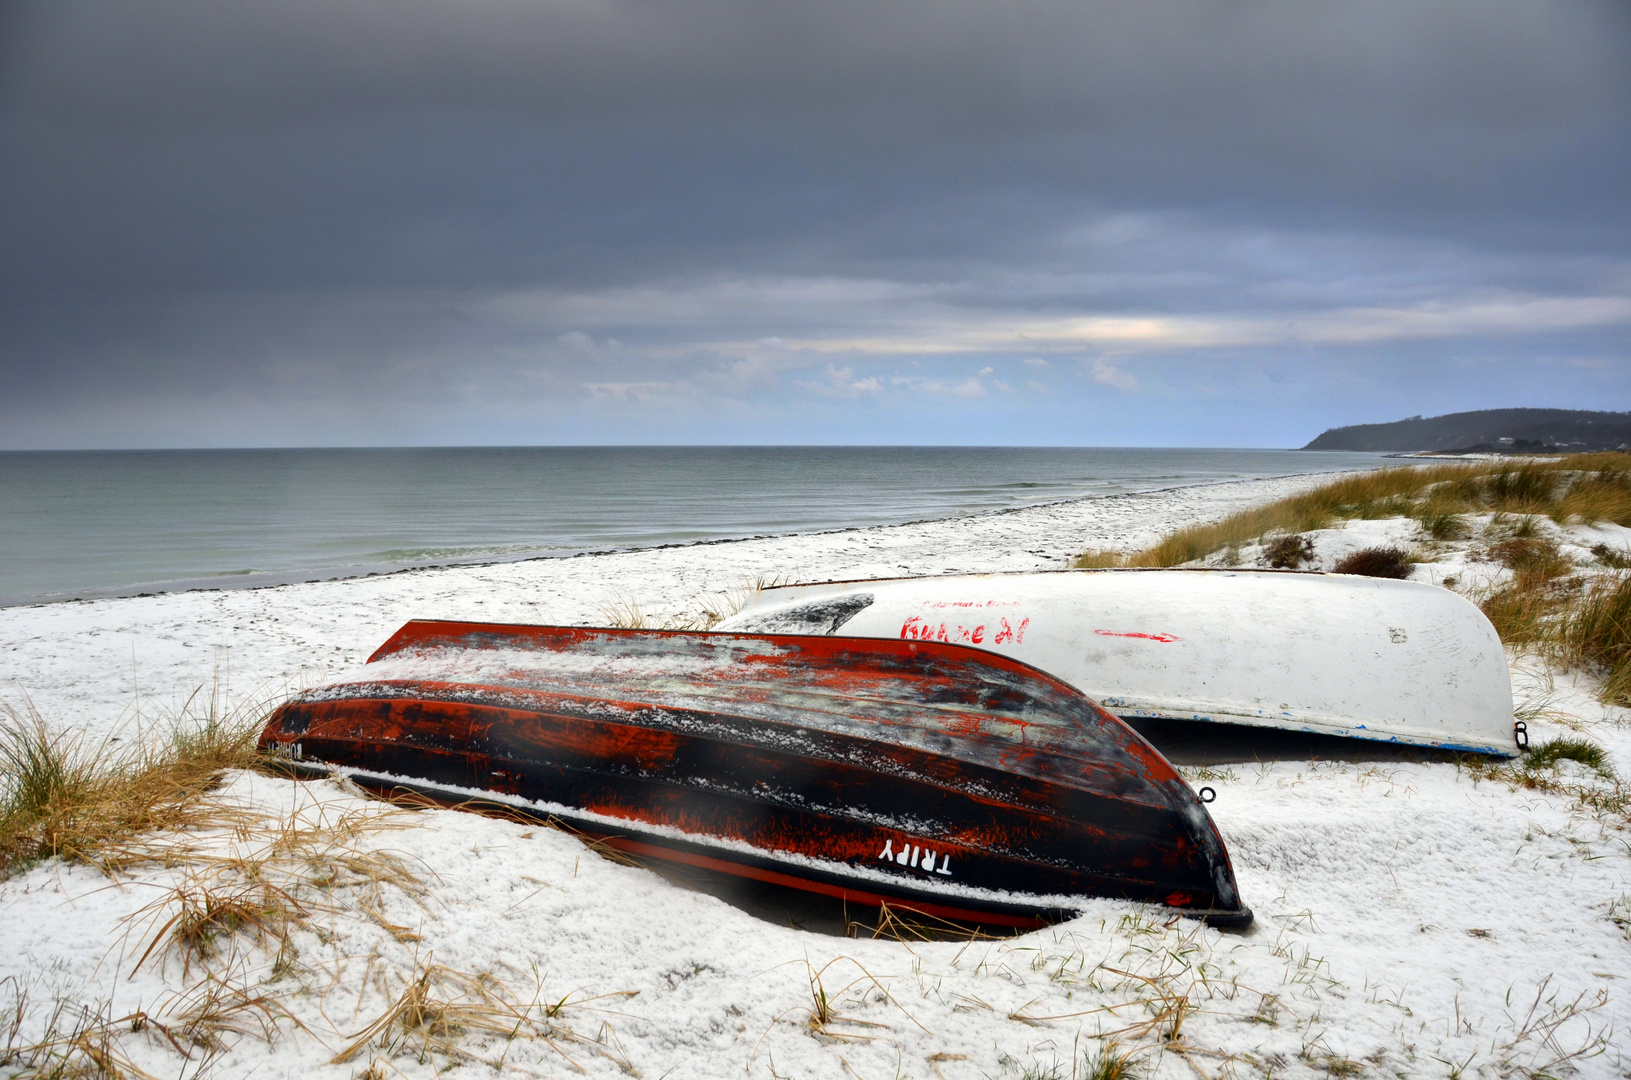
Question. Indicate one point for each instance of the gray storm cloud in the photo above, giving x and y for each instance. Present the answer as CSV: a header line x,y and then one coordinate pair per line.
x,y
461,206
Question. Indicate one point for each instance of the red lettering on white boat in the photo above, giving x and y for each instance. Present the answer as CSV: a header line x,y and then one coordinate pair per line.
x,y
1015,634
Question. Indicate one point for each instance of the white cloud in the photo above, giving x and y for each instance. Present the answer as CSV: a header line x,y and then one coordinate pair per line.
x,y
1108,374
841,382
631,391
970,387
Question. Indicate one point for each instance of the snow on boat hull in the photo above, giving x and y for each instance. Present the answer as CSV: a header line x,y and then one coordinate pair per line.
x,y
1363,658
934,777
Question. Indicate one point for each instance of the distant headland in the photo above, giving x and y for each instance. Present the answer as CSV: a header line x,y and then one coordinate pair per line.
x,y
1512,431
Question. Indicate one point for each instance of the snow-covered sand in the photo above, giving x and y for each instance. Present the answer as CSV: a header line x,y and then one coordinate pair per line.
x,y
1412,920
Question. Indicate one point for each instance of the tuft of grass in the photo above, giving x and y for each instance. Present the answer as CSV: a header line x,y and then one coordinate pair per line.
x,y
1525,612
1504,526
624,613
1289,552
1600,495
1596,633
1536,770
1589,754
250,880
43,770
826,1021
1613,558
60,798
1619,913
206,916
1099,559
1530,488
1109,1062
1584,487
908,925
1442,523
1382,562
439,1006
1534,557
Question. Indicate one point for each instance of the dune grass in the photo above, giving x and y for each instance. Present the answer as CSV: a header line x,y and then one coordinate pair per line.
x,y
60,797
1575,621
1384,562
1589,754
1290,552
1583,487
1595,631
703,611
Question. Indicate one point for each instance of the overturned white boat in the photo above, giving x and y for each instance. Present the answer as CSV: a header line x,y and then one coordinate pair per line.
x,y
1363,658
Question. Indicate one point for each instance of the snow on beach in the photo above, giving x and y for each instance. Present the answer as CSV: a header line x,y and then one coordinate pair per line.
x,y
1413,920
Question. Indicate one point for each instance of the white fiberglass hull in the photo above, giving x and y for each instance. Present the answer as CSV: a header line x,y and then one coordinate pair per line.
x,y
1365,658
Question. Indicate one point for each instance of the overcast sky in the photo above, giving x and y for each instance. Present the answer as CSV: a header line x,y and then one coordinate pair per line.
x,y
1150,222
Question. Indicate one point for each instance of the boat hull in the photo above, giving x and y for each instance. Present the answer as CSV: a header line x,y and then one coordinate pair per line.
x,y
1362,658
927,776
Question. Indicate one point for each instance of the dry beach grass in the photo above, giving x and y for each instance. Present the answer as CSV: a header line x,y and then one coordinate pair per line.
x,y
1583,487
246,899
62,797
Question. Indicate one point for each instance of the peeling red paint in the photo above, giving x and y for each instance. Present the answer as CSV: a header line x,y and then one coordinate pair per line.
x,y
1164,638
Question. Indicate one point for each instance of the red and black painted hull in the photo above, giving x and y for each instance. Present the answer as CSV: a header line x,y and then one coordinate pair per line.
x,y
940,778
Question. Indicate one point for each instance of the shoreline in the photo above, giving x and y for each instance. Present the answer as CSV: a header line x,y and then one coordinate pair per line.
x,y
278,580
278,565
99,663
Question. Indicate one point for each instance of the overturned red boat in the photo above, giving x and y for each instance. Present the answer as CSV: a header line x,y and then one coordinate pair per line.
x,y
938,778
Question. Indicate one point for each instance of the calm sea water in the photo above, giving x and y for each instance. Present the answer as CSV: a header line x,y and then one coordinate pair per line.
x,y
92,524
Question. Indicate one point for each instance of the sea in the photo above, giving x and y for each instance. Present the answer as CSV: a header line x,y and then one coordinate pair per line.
x,y
84,525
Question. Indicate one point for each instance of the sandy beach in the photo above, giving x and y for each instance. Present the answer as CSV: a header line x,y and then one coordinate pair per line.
x,y
1412,919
